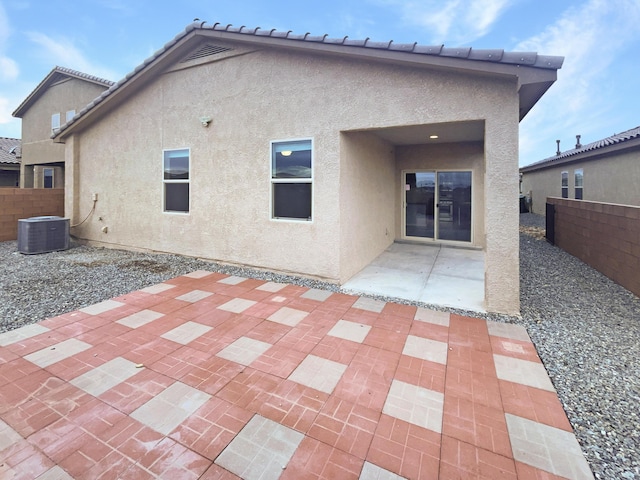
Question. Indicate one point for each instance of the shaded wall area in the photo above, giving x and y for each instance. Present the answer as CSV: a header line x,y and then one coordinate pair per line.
x,y
605,236
17,203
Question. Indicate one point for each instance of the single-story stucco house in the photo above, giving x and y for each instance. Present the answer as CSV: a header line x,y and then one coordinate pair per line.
x,y
53,102
307,154
607,170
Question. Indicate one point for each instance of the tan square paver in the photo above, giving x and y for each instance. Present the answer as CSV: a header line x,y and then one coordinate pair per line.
x,y
232,280
370,304
21,333
547,448
356,332
8,436
237,305
187,332
508,330
288,316
271,287
198,274
432,316
102,307
261,451
170,408
374,472
194,296
244,350
524,372
159,288
316,294
426,349
318,373
140,318
416,405
50,355
106,376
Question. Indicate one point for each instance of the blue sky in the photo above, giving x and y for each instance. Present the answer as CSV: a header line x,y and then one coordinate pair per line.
x,y
596,94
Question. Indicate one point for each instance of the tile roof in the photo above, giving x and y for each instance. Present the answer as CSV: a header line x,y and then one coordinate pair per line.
x,y
486,56
593,147
55,75
10,150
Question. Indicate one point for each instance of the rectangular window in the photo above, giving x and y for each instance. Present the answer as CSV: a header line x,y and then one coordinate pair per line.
x,y
565,184
55,121
48,177
291,180
70,115
176,180
578,176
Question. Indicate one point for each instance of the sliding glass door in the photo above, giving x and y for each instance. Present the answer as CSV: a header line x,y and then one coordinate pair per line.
x,y
438,205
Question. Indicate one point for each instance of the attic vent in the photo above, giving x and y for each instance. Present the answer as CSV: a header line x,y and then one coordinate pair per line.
x,y
206,51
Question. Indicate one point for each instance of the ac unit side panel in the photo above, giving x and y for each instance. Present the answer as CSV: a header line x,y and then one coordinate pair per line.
x,y
43,235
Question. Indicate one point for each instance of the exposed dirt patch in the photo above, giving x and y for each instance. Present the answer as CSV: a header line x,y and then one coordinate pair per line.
x,y
147,265
536,232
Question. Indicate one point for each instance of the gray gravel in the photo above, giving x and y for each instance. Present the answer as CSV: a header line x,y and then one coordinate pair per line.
x,y
585,327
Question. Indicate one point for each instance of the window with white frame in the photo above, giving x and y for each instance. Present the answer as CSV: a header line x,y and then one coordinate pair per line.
x,y
55,121
565,184
48,177
70,114
578,179
176,180
292,179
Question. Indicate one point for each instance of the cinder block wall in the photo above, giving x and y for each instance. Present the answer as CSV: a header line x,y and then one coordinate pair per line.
x,y
17,203
603,235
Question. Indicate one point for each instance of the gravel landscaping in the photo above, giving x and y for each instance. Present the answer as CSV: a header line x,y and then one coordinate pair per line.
x,y
585,327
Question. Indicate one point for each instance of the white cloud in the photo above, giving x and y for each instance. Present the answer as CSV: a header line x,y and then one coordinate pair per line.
x,y
64,53
591,37
453,22
8,68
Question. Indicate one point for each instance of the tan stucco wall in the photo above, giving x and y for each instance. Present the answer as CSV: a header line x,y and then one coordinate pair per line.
x,y
37,146
275,95
367,200
610,179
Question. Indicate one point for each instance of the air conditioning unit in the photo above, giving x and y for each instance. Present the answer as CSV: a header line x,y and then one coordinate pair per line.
x,y
43,234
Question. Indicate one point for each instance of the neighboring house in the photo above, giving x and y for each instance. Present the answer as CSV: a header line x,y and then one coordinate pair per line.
x,y
55,101
306,154
604,171
9,162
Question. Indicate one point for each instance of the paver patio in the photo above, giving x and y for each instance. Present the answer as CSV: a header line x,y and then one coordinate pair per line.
x,y
217,377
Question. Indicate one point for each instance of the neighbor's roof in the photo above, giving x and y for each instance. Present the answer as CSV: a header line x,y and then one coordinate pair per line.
x,y
615,142
56,75
10,150
535,73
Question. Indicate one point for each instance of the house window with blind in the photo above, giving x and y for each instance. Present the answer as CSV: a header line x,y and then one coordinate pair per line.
x,y
175,180
578,183
292,180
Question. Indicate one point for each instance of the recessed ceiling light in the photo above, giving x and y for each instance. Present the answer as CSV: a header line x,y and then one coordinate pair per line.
x,y
433,137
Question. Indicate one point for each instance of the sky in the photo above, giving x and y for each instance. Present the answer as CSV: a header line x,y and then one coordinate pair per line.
x,y
597,93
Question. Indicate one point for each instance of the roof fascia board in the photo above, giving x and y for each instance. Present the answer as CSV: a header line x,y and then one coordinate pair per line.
x,y
586,156
525,74
126,87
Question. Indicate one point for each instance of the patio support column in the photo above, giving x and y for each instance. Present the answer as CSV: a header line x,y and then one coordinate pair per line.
x,y
501,215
